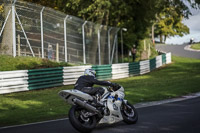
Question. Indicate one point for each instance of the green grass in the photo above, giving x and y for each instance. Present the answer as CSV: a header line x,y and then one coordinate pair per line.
x,y
196,46
176,79
8,63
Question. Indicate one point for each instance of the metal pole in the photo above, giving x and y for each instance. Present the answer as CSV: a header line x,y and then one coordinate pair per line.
x,y
83,32
113,49
24,34
99,44
14,30
109,44
116,49
115,41
5,22
122,50
65,37
42,35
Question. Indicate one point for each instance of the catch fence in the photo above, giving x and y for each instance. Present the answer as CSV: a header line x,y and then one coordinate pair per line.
x,y
28,29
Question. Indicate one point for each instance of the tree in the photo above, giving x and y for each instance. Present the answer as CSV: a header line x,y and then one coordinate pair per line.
x,y
169,23
138,16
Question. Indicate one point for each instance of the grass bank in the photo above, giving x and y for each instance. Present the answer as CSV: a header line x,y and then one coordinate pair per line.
x,y
8,63
179,78
196,46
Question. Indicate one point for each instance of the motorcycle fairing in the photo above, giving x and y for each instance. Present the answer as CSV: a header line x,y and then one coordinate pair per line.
x,y
68,95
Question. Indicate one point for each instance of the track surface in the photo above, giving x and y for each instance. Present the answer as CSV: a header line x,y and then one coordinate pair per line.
x,y
177,117
179,50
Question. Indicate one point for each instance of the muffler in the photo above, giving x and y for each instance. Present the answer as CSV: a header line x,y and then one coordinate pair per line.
x,y
87,106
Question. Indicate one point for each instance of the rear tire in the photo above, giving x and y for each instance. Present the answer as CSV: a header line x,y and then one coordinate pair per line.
x,y
80,123
129,113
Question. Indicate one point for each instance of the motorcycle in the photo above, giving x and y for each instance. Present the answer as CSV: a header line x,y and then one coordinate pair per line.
x,y
87,111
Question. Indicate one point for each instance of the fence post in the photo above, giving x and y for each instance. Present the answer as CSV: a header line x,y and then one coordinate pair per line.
x,y
19,49
57,52
14,30
109,44
5,22
99,44
115,42
24,35
65,37
145,45
42,36
83,32
116,55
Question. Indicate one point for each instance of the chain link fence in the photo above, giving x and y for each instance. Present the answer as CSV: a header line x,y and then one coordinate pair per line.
x,y
28,29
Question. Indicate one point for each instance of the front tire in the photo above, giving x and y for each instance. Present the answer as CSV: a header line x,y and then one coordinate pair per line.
x,y
79,122
129,113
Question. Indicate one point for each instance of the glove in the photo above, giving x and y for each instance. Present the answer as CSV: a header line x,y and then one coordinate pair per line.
x,y
115,86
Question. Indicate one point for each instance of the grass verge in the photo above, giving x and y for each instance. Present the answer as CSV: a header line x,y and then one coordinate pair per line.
x,y
179,78
8,63
196,46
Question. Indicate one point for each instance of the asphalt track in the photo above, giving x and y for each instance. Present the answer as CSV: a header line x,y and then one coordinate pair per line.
x,y
179,50
176,117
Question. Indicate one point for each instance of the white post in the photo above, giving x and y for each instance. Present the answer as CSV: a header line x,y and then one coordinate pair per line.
x,y
65,37
19,49
115,41
113,49
122,46
42,36
83,33
5,22
99,44
57,52
14,30
116,49
109,44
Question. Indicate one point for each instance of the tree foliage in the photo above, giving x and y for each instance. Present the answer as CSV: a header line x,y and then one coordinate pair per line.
x,y
169,23
137,16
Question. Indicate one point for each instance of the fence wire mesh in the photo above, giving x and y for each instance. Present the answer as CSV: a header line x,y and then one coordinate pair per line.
x,y
43,32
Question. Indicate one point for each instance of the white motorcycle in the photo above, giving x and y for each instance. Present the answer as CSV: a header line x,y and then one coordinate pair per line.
x,y
85,113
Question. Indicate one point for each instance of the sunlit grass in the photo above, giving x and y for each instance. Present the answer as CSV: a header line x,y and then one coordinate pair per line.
x,y
8,63
196,46
176,79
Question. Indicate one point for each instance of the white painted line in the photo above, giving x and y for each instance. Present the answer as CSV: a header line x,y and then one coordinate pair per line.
x,y
29,124
190,49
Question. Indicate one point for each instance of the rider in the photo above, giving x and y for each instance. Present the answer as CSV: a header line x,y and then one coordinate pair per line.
x,y
85,83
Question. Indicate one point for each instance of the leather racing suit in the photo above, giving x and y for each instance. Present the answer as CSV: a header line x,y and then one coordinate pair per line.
x,y
85,84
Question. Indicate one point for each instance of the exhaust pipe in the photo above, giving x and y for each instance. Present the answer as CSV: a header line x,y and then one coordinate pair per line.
x,y
87,106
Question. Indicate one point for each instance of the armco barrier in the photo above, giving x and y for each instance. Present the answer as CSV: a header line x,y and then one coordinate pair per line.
x,y
134,68
103,71
144,67
14,81
45,78
120,70
152,64
163,58
168,58
71,74
159,61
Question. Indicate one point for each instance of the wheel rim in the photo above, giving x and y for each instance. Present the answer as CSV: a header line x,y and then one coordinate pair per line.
x,y
83,120
129,111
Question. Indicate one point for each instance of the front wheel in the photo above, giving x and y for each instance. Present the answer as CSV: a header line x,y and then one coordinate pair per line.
x,y
79,121
129,113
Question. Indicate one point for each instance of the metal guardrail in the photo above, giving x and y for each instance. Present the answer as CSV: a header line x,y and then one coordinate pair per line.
x,y
24,80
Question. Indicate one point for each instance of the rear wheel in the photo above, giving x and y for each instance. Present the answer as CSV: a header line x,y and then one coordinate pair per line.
x,y
129,113
81,122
